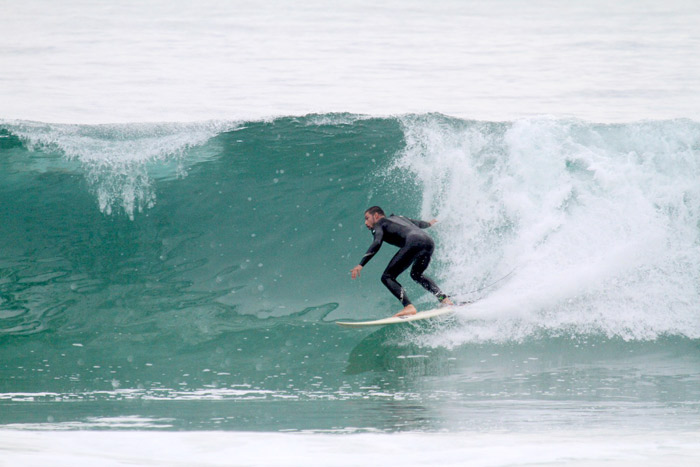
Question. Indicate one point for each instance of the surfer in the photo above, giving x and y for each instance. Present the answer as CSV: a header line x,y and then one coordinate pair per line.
x,y
416,247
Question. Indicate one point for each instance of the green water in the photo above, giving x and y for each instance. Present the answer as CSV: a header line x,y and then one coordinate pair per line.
x,y
177,277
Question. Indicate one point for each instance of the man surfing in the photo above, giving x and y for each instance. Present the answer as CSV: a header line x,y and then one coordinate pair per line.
x,y
415,247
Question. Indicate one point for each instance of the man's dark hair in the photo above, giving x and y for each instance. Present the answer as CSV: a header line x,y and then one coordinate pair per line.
x,y
375,210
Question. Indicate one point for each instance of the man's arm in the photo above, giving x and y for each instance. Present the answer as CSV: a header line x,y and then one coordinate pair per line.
x,y
374,247
422,224
371,251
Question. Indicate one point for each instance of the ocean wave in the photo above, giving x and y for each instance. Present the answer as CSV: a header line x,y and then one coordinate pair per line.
x,y
597,223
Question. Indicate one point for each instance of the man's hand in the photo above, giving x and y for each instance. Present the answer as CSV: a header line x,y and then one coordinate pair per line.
x,y
433,222
355,272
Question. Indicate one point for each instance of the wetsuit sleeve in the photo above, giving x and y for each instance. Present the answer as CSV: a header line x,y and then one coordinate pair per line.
x,y
421,224
374,247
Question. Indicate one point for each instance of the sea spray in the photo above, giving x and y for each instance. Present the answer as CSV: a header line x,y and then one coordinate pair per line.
x,y
600,222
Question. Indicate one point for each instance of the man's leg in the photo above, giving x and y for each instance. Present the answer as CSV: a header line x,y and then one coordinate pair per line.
x,y
419,266
398,264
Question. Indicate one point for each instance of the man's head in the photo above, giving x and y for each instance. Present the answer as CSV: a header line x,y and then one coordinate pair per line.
x,y
372,215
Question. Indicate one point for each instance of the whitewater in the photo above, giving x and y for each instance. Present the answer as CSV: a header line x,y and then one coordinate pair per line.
x,y
181,199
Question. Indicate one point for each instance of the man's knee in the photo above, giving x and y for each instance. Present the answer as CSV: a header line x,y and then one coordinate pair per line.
x,y
416,276
387,278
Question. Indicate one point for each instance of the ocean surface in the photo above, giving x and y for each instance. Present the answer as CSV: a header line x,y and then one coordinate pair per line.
x,y
182,190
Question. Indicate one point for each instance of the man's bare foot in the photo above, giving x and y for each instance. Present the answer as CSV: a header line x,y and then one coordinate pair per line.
x,y
408,311
446,302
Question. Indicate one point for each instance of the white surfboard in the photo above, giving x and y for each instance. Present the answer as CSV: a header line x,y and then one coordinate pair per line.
x,y
403,319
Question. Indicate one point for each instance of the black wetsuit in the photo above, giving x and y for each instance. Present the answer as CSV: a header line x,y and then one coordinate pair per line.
x,y
416,247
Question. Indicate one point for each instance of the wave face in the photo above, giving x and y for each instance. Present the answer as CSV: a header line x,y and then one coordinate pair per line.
x,y
209,260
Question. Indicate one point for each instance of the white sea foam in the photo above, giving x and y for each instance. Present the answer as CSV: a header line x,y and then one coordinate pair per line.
x,y
591,448
600,223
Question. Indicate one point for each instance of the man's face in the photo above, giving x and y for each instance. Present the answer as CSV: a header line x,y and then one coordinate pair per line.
x,y
371,219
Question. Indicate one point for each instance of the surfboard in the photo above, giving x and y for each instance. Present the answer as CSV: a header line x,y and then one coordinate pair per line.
x,y
421,315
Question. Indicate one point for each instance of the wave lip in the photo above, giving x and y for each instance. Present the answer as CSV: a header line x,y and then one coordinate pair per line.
x,y
116,157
